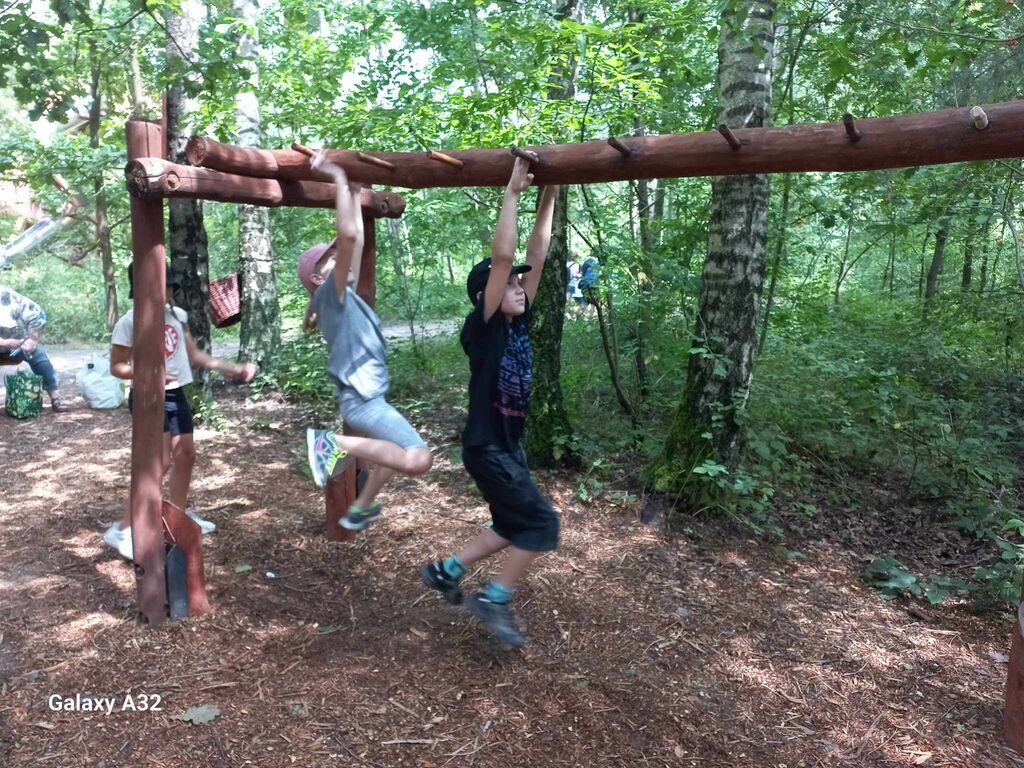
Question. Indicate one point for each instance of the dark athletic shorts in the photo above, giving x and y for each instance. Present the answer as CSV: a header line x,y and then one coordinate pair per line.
x,y
177,414
519,511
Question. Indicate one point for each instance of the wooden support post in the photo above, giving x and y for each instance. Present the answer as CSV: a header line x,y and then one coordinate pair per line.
x,y
446,159
526,154
182,530
851,130
980,118
626,152
729,136
147,140
342,488
367,285
387,164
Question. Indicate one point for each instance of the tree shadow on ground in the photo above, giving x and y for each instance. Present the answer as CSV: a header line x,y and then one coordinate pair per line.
x,y
644,648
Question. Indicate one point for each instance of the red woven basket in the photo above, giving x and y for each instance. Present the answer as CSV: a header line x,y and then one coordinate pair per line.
x,y
225,301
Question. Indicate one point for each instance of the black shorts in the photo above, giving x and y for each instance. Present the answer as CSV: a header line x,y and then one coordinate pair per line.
x,y
519,511
177,413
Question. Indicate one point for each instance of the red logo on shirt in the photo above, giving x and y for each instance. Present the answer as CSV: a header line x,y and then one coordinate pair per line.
x,y
171,340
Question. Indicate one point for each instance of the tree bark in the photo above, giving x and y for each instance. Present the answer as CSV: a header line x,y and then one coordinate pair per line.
x,y
260,334
138,93
187,241
777,257
549,436
843,263
920,275
787,181
931,289
645,286
966,274
706,425
101,225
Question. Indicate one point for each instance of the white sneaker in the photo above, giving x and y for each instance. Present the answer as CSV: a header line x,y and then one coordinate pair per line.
x,y
205,526
120,539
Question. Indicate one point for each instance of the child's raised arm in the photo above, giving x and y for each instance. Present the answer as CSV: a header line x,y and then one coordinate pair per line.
x,y
540,239
348,220
357,217
503,247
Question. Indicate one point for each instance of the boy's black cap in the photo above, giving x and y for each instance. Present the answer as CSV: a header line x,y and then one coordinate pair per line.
x,y
478,275
131,279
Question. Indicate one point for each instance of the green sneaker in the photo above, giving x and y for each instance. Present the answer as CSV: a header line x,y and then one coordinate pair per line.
x,y
324,454
359,519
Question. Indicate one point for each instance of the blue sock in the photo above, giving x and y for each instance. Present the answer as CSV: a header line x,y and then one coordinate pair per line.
x,y
497,593
453,567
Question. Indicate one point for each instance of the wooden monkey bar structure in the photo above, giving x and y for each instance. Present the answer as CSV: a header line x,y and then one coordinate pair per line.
x,y
230,174
929,138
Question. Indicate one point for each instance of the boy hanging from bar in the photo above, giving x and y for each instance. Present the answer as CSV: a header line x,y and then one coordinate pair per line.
x,y
357,364
495,336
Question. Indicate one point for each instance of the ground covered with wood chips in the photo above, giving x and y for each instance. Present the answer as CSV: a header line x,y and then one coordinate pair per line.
x,y
645,647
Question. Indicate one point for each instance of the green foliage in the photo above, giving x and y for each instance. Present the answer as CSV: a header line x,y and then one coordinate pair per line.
x,y
855,380
892,579
300,373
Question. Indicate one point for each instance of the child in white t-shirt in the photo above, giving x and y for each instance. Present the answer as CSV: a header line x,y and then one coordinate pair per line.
x,y
180,353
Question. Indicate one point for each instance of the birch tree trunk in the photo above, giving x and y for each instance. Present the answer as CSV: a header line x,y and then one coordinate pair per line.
x,y
706,424
186,235
260,335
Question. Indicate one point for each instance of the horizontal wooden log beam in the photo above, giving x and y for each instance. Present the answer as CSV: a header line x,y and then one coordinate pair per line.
x,y
151,178
927,138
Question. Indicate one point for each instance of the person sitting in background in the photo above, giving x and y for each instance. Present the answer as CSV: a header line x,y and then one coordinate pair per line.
x,y
21,327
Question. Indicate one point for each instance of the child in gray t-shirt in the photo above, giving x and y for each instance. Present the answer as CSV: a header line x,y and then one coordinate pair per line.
x,y
357,363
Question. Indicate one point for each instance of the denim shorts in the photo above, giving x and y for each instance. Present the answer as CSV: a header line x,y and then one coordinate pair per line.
x,y
520,513
177,413
378,419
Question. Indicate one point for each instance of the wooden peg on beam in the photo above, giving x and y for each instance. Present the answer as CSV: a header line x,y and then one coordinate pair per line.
x,y
729,136
851,130
980,118
627,152
525,154
304,150
379,162
454,162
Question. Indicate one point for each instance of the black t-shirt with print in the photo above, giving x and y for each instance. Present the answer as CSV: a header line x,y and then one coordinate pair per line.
x,y
500,375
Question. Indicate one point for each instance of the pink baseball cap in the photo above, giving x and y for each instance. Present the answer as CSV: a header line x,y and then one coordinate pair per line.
x,y
307,264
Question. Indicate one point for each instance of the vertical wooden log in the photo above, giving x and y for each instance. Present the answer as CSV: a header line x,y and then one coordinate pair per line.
x,y
367,286
181,530
339,494
342,489
1013,713
148,257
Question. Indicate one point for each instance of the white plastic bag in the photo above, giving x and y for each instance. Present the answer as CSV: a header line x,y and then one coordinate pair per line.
x,y
99,387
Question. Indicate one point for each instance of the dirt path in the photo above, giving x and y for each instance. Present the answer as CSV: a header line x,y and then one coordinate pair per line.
x,y
645,649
